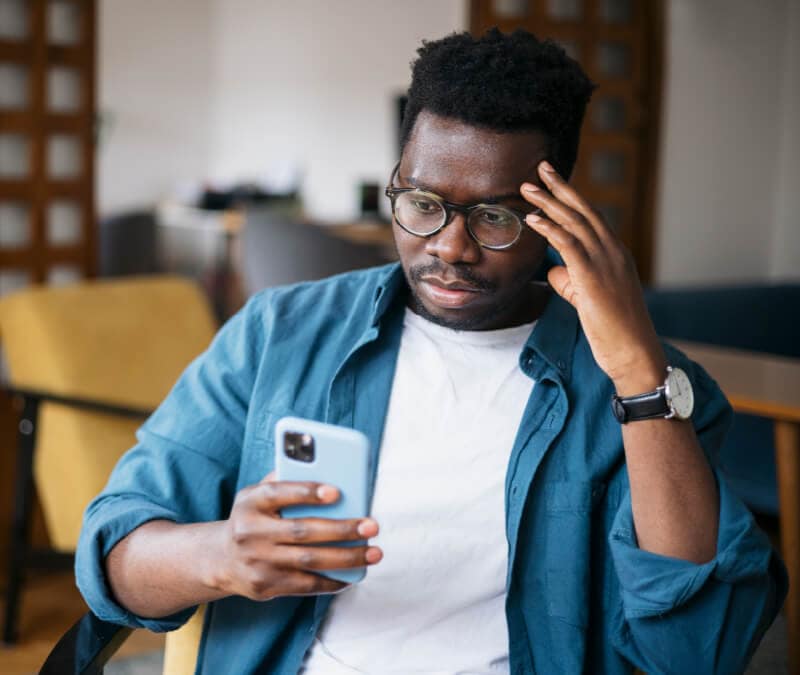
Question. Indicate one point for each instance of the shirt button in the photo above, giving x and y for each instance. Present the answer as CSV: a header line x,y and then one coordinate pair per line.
x,y
561,364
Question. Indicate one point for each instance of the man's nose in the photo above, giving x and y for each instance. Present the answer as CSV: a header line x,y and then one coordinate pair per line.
x,y
453,243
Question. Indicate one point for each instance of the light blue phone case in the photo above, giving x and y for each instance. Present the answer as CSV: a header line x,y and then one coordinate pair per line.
x,y
341,459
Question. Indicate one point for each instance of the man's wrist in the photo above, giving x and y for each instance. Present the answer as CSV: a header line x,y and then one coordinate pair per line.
x,y
212,569
645,375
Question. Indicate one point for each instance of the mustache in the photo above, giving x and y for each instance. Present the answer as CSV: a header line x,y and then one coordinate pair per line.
x,y
451,273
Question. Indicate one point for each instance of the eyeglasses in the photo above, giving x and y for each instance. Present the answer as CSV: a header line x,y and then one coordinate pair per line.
x,y
424,213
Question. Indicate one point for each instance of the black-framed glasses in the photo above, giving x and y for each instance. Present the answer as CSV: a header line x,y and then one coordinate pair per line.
x,y
424,213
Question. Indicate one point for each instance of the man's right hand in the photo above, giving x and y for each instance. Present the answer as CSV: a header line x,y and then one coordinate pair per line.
x,y
265,555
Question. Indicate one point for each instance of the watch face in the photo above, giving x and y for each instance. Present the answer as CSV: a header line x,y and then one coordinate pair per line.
x,y
679,393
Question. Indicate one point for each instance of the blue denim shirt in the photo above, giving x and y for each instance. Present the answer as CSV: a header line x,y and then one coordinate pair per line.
x,y
582,597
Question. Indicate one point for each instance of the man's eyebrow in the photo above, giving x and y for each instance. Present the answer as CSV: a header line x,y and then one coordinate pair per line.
x,y
486,199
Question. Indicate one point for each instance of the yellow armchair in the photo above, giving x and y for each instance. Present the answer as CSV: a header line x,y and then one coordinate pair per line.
x,y
89,360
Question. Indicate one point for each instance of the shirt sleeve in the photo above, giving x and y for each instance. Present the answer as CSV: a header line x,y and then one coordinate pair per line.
x,y
679,616
183,467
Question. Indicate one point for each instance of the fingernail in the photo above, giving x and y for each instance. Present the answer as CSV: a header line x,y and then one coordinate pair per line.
x,y
327,493
367,528
530,187
547,166
533,218
373,555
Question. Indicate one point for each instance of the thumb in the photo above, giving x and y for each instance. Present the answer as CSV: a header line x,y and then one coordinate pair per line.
x,y
270,477
561,283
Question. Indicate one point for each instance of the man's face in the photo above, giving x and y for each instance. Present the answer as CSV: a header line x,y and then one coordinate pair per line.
x,y
453,280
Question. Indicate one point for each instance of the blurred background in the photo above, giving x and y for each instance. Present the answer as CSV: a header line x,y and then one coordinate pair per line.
x,y
245,143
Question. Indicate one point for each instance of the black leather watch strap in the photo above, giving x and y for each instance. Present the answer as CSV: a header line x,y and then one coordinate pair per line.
x,y
647,406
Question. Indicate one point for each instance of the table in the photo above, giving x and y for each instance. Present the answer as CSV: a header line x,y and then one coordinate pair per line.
x,y
769,386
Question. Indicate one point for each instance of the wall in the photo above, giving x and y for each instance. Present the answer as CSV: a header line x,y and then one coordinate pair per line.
x,y
786,232
723,131
153,94
229,88
314,83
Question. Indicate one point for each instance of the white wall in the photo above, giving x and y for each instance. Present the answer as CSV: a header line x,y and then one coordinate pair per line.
x,y
724,129
153,93
314,83
786,232
225,88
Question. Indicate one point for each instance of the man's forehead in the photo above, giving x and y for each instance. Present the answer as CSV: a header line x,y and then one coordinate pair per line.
x,y
447,154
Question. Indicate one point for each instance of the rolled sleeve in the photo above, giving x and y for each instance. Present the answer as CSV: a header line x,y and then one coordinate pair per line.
x,y
677,616
106,523
652,584
183,468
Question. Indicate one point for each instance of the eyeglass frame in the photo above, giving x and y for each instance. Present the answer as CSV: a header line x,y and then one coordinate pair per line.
x,y
450,208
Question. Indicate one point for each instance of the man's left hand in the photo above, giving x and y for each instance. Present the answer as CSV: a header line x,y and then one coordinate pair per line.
x,y
599,279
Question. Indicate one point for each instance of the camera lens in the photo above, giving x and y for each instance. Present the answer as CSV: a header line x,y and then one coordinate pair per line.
x,y
298,446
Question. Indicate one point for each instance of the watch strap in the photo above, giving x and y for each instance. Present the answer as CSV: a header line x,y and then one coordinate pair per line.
x,y
647,406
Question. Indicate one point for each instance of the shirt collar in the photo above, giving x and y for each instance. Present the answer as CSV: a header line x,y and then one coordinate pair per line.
x,y
554,336
555,333
391,283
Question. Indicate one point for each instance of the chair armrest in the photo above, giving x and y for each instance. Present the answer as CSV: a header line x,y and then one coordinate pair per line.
x,y
86,647
77,402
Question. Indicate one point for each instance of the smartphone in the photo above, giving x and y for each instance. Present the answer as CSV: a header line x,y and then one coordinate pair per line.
x,y
306,450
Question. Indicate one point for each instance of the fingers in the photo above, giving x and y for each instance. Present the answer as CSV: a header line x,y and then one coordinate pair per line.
x,y
567,244
563,191
315,558
563,215
270,496
565,206
559,279
259,530
299,582
322,530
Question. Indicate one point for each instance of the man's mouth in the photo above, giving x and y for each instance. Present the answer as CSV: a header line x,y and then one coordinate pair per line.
x,y
448,294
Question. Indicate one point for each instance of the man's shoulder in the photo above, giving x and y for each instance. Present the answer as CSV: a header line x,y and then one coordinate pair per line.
x,y
349,287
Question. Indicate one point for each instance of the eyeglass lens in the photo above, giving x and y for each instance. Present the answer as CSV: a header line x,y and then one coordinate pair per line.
x,y
421,214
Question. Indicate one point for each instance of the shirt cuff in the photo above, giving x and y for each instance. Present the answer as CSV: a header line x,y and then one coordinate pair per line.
x,y
653,584
100,533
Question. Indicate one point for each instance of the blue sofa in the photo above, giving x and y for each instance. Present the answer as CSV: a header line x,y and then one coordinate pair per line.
x,y
761,318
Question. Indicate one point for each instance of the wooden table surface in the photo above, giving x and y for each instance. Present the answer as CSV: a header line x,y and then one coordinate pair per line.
x,y
755,383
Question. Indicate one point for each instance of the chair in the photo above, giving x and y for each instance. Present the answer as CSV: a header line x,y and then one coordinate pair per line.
x,y
87,361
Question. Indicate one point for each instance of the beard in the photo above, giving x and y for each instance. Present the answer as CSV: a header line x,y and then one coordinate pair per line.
x,y
483,318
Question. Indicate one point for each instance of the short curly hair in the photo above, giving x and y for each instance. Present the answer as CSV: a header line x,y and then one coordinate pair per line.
x,y
504,82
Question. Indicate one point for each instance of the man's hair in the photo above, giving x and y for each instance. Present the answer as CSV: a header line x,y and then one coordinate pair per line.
x,y
506,83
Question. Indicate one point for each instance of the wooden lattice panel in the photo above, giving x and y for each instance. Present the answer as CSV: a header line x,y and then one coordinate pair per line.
x,y
619,44
47,93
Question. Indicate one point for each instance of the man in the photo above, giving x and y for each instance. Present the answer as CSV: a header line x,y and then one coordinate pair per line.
x,y
524,527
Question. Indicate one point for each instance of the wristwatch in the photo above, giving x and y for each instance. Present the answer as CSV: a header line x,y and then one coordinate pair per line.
x,y
674,399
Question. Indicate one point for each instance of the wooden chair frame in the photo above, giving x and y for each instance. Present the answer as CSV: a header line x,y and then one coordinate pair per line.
x,y
21,556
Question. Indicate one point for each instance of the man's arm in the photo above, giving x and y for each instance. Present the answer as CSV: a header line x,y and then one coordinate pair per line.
x,y
169,530
163,567
673,491
699,583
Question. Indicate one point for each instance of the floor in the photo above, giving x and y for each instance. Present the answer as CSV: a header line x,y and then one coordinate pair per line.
x,y
51,604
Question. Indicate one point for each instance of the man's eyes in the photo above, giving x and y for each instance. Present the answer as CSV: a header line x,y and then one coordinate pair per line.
x,y
496,217
424,205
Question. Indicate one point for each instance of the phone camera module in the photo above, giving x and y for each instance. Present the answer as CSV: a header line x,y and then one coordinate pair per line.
x,y
298,446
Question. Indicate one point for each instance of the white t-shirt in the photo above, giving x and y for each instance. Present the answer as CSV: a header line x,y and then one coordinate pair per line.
x,y
436,602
